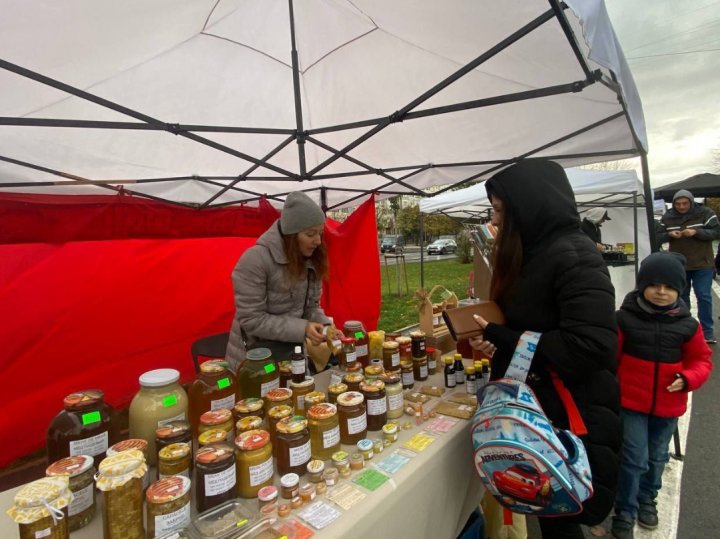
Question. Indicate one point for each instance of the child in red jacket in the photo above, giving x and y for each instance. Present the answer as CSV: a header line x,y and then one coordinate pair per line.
x,y
662,357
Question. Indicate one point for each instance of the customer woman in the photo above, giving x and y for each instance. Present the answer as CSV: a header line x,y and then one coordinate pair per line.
x,y
278,283
549,277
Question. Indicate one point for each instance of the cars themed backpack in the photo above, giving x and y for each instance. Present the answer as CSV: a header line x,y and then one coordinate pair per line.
x,y
524,462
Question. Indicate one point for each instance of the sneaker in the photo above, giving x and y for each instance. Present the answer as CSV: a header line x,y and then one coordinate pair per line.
x,y
648,516
711,340
622,527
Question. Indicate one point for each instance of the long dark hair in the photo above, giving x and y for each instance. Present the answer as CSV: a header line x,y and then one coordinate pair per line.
x,y
507,256
296,261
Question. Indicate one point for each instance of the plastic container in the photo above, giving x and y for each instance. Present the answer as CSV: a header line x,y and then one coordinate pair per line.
x,y
224,521
81,475
40,508
258,374
214,388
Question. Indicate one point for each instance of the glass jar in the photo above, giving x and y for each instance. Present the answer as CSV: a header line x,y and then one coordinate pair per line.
x,y
420,369
285,369
417,339
251,406
313,398
173,433
373,371
289,485
218,419
390,432
214,388
357,461
407,372
307,492
133,443
334,390
84,427
391,355
393,395
168,505
341,460
277,397
324,427
40,508
160,400
315,470
352,417
174,459
275,414
293,441
258,374
432,360
120,479
404,347
212,436
215,476
330,476
348,356
299,390
375,403
354,328
365,448
352,380
81,474
267,496
247,423
254,462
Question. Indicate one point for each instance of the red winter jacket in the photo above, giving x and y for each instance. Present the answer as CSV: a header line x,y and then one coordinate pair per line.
x,y
652,351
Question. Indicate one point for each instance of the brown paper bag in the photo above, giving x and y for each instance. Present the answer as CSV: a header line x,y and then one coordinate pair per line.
x,y
318,354
430,313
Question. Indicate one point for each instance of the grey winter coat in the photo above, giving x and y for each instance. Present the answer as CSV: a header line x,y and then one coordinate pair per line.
x,y
271,310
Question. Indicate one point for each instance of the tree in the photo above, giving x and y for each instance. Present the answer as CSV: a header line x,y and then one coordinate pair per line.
x,y
439,225
408,222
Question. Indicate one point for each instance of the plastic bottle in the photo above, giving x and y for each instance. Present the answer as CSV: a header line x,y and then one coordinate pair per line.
x,y
449,373
459,370
298,365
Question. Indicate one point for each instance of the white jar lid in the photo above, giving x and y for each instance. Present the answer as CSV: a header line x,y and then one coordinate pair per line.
x,y
159,377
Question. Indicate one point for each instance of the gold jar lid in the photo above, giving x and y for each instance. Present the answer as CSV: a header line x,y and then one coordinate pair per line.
x,y
278,394
322,411
374,370
353,377
314,397
372,386
252,440
291,425
249,405
116,470
249,422
41,498
174,451
406,364
168,489
216,417
338,388
417,335
213,366
280,411
391,345
83,399
212,436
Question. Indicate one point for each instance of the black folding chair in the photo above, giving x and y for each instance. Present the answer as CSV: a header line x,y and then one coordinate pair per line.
x,y
212,346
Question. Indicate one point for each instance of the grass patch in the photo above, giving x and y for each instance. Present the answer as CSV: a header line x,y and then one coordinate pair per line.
x,y
399,312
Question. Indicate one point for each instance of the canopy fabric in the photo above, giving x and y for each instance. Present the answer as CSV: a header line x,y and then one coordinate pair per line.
x,y
203,102
700,185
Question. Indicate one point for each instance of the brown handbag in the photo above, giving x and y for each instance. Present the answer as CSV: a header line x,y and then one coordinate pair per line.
x,y
462,325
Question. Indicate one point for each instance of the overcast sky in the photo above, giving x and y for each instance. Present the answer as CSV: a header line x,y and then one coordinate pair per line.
x,y
679,89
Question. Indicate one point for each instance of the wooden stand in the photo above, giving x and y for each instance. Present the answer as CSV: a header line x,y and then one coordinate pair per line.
x,y
399,261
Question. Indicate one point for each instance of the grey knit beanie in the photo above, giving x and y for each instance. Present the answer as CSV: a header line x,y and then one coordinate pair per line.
x,y
665,267
300,213
684,193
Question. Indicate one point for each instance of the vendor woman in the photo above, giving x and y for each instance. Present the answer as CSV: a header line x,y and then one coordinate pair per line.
x,y
278,283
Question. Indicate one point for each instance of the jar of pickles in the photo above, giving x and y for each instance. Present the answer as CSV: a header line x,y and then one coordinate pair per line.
x,y
133,443
80,472
354,328
393,395
214,388
250,422
258,374
275,414
218,419
293,445
324,427
254,462
352,380
299,390
352,417
173,433
215,476
407,373
334,390
277,397
168,505
40,508
120,479
84,427
251,406
391,355
417,339
420,369
375,403
174,459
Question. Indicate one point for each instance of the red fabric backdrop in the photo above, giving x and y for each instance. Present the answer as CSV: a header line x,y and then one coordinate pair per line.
x,y
98,313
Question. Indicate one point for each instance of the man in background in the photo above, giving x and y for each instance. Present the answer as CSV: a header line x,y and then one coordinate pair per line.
x,y
591,223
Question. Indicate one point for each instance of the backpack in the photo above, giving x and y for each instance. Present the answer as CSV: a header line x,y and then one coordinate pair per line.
x,y
524,462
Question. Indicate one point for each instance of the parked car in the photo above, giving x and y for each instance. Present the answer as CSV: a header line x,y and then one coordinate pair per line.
x,y
392,244
441,247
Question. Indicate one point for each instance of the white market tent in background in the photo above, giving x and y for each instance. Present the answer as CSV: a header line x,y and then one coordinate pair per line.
x,y
208,103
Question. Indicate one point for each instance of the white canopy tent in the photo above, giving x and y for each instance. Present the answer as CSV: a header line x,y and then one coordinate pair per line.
x,y
218,102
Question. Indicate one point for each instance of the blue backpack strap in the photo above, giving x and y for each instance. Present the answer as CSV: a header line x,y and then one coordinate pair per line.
x,y
523,355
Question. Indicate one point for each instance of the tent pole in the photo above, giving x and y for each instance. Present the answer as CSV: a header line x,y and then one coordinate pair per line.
x,y
422,249
635,230
296,90
647,193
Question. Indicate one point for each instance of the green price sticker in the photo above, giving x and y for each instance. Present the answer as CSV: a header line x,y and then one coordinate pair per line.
x,y
91,417
269,368
223,383
169,400
358,334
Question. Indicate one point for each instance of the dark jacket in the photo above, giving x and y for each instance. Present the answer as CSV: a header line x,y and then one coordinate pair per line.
x,y
592,230
653,349
698,248
565,293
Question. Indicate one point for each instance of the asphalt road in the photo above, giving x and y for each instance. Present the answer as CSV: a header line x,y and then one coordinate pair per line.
x,y
412,254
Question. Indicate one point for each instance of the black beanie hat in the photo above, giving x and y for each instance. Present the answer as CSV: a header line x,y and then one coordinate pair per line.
x,y
662,268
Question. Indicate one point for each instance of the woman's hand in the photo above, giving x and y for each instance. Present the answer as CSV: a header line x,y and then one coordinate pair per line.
x,y
480,344
314,332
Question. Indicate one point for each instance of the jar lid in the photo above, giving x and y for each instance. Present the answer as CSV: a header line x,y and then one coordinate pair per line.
x,y
132,443
315,397
289,480
249,422
323,410
36,500
353,324
374,370
340,456
216,417
267,493
365,444
390,428
212,436
406,364
354,377
83,399
337,388
315,466
291,425
417,334
252,439
391,345
168,489
70,466
347,340
280,411
174,451
278,394
213,366
309,381
403,339
172,430
116,470
251,404
350,398
284,366
470,369
389,378
372,386
159,377
215,453
258,354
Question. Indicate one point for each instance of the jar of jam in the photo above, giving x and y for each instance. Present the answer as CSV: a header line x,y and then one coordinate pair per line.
x,y
373,371
258,374
214,388
218,419
133,443
348,356
84,427
334,390
40,508
299,390
324,427
407,373
313,398
120,479
289,485
417,339
174,459
250,422
275,414
432,360
352,380
215,476
173,433
420,369
393,395
404,347
277,397
212,436
254,462
168,505
352,417
81,475
293,441
354,328
375,403
285,368
251,406
391,355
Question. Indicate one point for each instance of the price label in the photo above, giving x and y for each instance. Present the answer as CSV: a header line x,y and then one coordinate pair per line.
x,y
169,400
91,417
223,383
269,368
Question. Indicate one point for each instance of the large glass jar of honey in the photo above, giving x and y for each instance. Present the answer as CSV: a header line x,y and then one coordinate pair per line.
x,y
213,389
324,427
254,462
355,329
215,476
84,427
352,417
258,374
299,390
375,403
120,479
41,507
251,406
391,356
293,445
